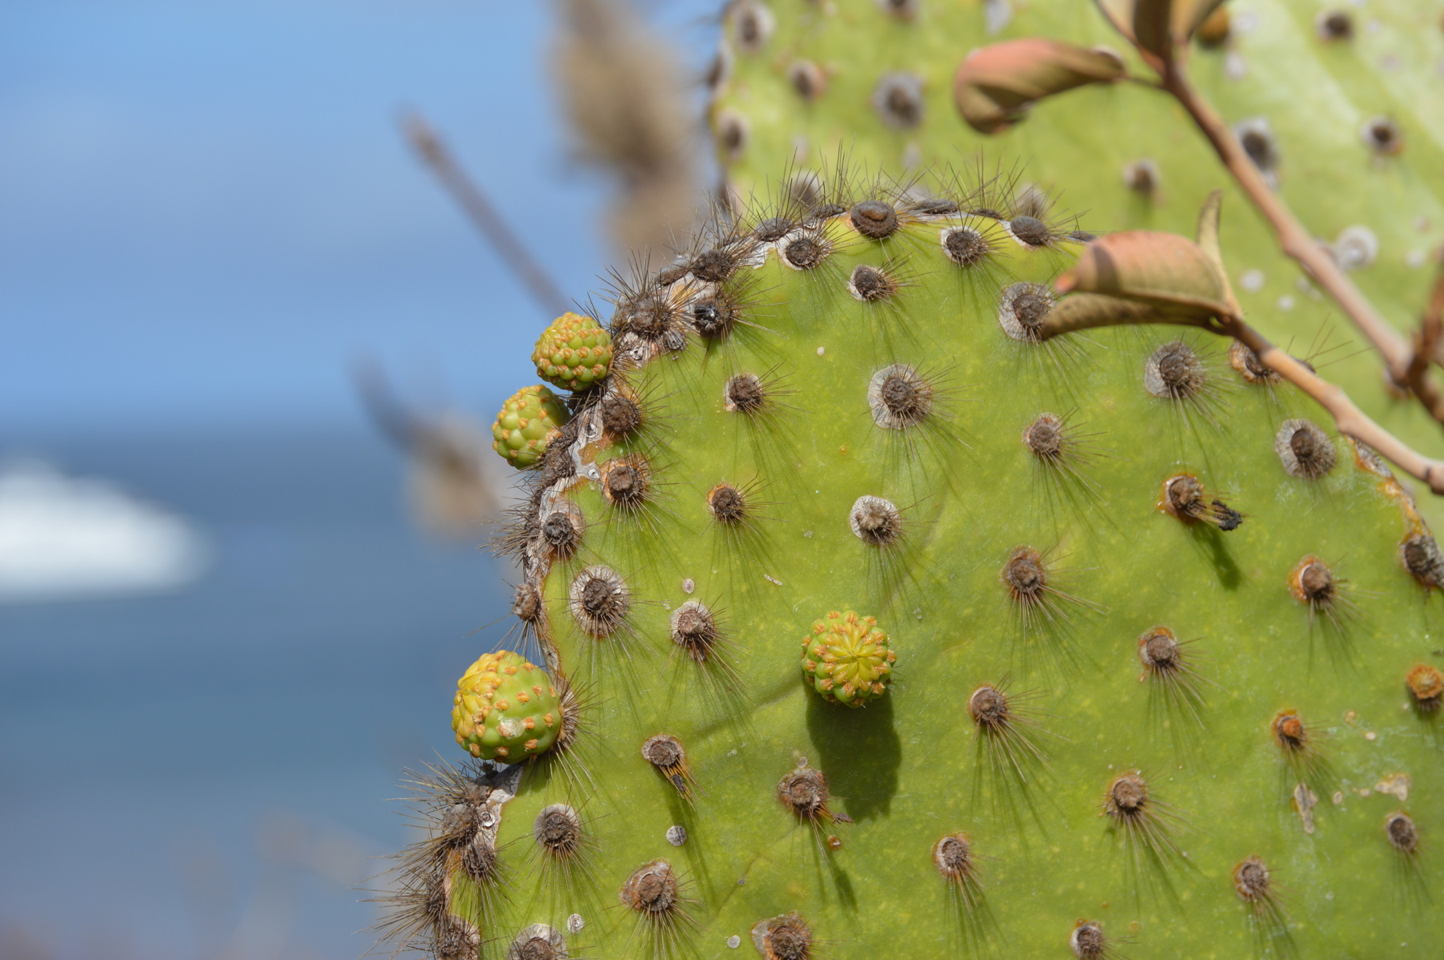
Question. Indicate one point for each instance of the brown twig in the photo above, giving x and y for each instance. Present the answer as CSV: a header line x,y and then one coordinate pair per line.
x,y
1348,417
1427,342
470,197
1292,236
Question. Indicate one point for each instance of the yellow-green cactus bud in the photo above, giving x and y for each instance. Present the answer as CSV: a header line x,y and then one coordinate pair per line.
x,y
573,353
506,709
846,658
528,421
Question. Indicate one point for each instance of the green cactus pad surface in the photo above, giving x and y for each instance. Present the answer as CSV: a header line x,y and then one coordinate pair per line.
x,y
573,353
1340,104
1167,676
527,423
506,709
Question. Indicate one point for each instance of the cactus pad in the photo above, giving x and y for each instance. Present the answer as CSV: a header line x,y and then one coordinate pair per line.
x,y
1167,643
506,709
573,353
528,421
1338,104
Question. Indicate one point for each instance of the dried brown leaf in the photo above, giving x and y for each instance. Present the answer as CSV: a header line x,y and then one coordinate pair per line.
x,y
995,85
1162,269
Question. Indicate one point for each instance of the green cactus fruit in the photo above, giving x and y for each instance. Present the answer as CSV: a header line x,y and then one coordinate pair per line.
x,y
527,423
573,353
1168,643
506,709
1339,104
846,658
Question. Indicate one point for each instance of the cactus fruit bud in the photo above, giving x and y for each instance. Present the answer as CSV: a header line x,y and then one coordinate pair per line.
x,y
506,709
573,353
846,658
528,421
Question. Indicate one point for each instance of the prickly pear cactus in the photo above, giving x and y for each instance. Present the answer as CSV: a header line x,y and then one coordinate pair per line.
x,y
1340,103
1143,657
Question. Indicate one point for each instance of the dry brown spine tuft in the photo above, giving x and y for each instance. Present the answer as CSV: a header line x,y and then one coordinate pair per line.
x,y
933,207
627,482
898,100
718,263
902,9
899,397
558,831
1402,833
773,229
1145,821
1252,882
807,79
727,504
874,219
538,942
1045,437
804,791
478,858
561,531
654,893
1168,665
599,601
964,245
1185,497
456,939
665,753
526,605
1022,308
1304,450
1315,585
1006,735
1036,599
955,862
1257,140
1425,684
1422,559
1030,231
1334,25
953,856
1087,941
805,248
621,414
875,521
1290,733
871,284
1142,177
1175,371
714,317
655,316
695,631
787,937
1244,360
745,393
1383,136
753,25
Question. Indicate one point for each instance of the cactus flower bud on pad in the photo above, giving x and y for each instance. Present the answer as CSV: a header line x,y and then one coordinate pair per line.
x,y
506,709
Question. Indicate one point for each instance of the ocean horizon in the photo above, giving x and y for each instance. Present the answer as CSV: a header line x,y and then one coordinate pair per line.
x,y
211,771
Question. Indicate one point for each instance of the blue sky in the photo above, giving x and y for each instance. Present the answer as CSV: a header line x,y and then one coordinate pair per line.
x,y
206,211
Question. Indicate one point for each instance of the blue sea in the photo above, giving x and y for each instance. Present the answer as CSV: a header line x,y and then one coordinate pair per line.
x,y
209,773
